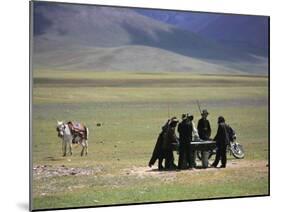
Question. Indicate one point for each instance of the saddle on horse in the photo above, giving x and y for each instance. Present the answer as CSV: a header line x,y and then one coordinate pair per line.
x,y
78,130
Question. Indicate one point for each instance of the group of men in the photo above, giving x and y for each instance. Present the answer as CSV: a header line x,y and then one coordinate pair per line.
x,y
168,142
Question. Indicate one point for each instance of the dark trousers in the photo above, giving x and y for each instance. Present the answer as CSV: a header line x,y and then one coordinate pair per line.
x,y
190,156
220,155
183,153
186,159
158,157
160,161
169,159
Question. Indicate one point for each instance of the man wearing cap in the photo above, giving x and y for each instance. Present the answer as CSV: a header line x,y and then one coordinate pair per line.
x,y
222,139
190,131
204,128
158,152
169,141
183,145
195,135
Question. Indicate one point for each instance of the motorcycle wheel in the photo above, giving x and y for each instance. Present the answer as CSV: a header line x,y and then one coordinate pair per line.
x,y
199,154
237,151
205,158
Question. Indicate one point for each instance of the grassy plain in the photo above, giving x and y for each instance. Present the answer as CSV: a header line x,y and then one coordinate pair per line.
x,y
132,107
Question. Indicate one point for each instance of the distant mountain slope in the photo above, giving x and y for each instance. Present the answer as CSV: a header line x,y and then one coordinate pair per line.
x,y
128,58
104,38
112,27
247,33
90,25
137,58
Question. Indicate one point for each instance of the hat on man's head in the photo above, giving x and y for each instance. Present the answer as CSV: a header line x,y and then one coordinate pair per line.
x,y
173,121
173,124
205,112
184,116
189,116
221,119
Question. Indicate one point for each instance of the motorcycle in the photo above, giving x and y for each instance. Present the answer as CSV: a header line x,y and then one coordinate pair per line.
x,y
233,148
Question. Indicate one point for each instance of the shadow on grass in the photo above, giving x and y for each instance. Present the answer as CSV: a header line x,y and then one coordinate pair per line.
x,y
178,170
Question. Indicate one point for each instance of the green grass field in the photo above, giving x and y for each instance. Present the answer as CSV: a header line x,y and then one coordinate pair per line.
x,y
132,107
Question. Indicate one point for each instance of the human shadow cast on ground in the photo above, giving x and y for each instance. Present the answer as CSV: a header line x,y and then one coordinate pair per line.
x,y
199,167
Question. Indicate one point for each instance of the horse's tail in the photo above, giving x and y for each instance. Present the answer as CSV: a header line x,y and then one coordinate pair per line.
x,y
86,133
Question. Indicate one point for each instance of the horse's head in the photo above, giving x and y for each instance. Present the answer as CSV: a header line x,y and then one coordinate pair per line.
x,y
60,128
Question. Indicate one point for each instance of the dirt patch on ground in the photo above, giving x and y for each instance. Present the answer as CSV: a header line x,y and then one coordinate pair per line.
x,y
142,172
43,171
258,164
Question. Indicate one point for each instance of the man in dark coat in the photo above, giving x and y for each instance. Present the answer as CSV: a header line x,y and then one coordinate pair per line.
x,y
203,127
190,152
169,142
158,152
182,130
222,139
185,130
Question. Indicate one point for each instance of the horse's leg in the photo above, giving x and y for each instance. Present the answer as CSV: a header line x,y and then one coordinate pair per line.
x,y
86,146
70,147
63,148
83,147
62,145
82,144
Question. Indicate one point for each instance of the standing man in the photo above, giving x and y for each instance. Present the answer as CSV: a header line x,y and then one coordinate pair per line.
x,y
158,152
170,140
183,145
222,139
204,128
189,132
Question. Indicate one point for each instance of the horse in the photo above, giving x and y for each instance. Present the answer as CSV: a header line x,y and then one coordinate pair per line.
x,y
70,133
